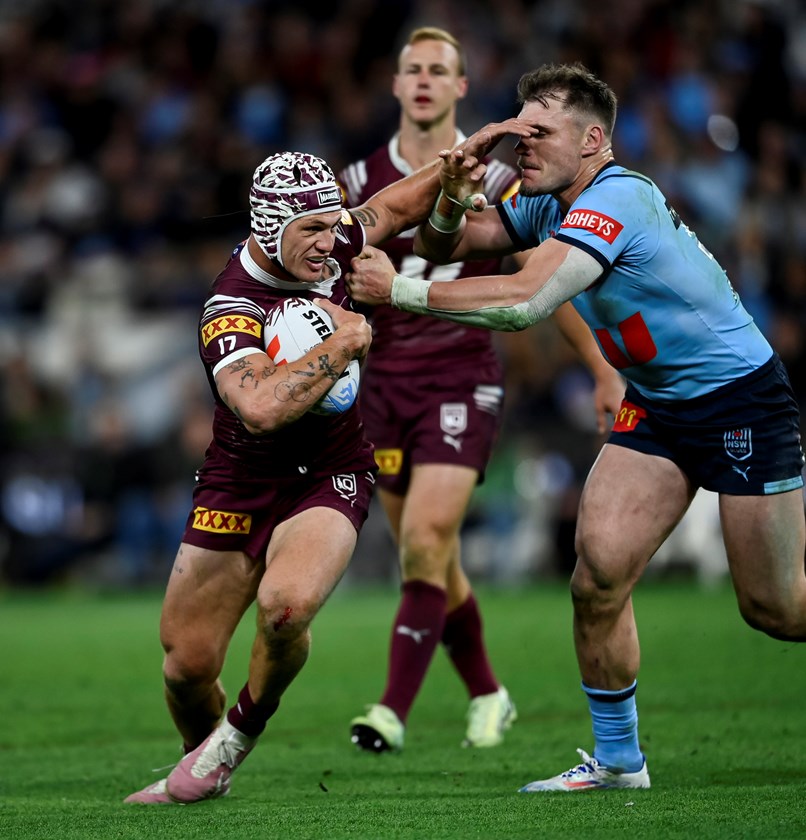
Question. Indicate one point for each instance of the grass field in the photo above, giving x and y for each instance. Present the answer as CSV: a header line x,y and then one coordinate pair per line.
x,y
723,723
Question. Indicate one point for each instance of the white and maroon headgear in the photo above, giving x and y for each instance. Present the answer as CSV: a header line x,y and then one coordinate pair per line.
x,y
285,187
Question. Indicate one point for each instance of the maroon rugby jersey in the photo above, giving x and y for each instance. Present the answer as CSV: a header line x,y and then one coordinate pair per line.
x,y
232,321
402,342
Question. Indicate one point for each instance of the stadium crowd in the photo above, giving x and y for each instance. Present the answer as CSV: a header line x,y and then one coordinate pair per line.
x,y
129,134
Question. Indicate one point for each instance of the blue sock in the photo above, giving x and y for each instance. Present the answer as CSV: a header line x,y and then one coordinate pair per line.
x,y
615,728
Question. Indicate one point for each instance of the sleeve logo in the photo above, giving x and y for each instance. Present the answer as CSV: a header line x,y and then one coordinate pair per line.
x,y
511,193
603,226
229,324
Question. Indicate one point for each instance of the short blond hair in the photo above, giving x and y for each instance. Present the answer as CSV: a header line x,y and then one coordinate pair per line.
x,y
434,33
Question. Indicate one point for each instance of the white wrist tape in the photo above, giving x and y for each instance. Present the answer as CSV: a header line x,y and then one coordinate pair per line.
x,y
446,224
443,224
469,201
410,294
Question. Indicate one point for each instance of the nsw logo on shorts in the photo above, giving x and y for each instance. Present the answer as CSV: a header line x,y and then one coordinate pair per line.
x,y
739,443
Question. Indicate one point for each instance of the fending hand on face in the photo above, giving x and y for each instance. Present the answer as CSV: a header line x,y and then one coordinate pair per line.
x,y
370,278
462,173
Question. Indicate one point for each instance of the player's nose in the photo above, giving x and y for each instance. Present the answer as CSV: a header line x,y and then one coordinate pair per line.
x,y
326,241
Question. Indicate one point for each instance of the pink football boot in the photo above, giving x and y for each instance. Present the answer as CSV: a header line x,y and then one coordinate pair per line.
x,y
155,794
205,772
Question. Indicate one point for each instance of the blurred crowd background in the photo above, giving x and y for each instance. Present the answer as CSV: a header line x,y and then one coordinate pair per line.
x,y
128,137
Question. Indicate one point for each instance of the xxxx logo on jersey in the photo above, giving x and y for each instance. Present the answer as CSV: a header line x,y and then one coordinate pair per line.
x,y
221,521
229,324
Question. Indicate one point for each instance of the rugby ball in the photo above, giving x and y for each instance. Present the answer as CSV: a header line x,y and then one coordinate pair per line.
x,y
291,330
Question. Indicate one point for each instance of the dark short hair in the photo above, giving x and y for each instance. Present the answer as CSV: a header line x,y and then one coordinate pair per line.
x,y
573,85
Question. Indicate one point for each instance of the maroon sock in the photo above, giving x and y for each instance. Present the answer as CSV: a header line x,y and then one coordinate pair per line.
x,y
247,717
464,642
416,633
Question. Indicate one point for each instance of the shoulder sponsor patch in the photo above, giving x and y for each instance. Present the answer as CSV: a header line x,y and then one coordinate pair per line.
x,y
221,521
603,226
511,193
229,324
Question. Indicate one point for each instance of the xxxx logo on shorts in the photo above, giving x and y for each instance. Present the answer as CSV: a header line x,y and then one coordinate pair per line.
x,y
389,461
229,324
221,521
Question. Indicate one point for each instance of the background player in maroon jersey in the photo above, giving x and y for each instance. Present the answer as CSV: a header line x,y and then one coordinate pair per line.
x,y
431,400
283,491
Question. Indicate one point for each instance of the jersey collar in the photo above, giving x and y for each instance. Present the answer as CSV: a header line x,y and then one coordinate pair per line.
x,y
323,287
403,165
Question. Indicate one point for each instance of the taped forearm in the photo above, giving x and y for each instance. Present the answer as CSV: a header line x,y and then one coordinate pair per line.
x,y
448,214
412,295
574,275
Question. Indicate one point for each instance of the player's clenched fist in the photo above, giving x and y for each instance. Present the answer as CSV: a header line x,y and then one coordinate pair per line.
x,y
370,280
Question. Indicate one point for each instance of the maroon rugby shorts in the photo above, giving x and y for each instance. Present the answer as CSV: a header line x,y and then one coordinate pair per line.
x,y
442,419
240,515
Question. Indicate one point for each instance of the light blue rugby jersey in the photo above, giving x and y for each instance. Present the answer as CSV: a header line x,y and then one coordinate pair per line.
x,y
664,312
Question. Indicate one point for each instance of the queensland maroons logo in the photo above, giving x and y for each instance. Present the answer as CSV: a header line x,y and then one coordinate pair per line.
x,y
453,418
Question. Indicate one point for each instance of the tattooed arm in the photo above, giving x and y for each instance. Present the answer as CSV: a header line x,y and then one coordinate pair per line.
x,y
409,202
399,206
266,397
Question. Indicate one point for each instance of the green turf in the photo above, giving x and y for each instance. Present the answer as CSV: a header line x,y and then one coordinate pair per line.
x,y
723,723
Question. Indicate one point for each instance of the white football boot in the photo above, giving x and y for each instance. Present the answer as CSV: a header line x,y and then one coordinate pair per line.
x,y
488,717
379,730
590,775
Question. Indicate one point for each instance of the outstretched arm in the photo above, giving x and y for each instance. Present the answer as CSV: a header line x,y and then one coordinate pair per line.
x,y
479,235
554,273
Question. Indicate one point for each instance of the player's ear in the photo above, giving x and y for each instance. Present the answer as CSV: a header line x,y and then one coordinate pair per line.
x,y
594,139
461,87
